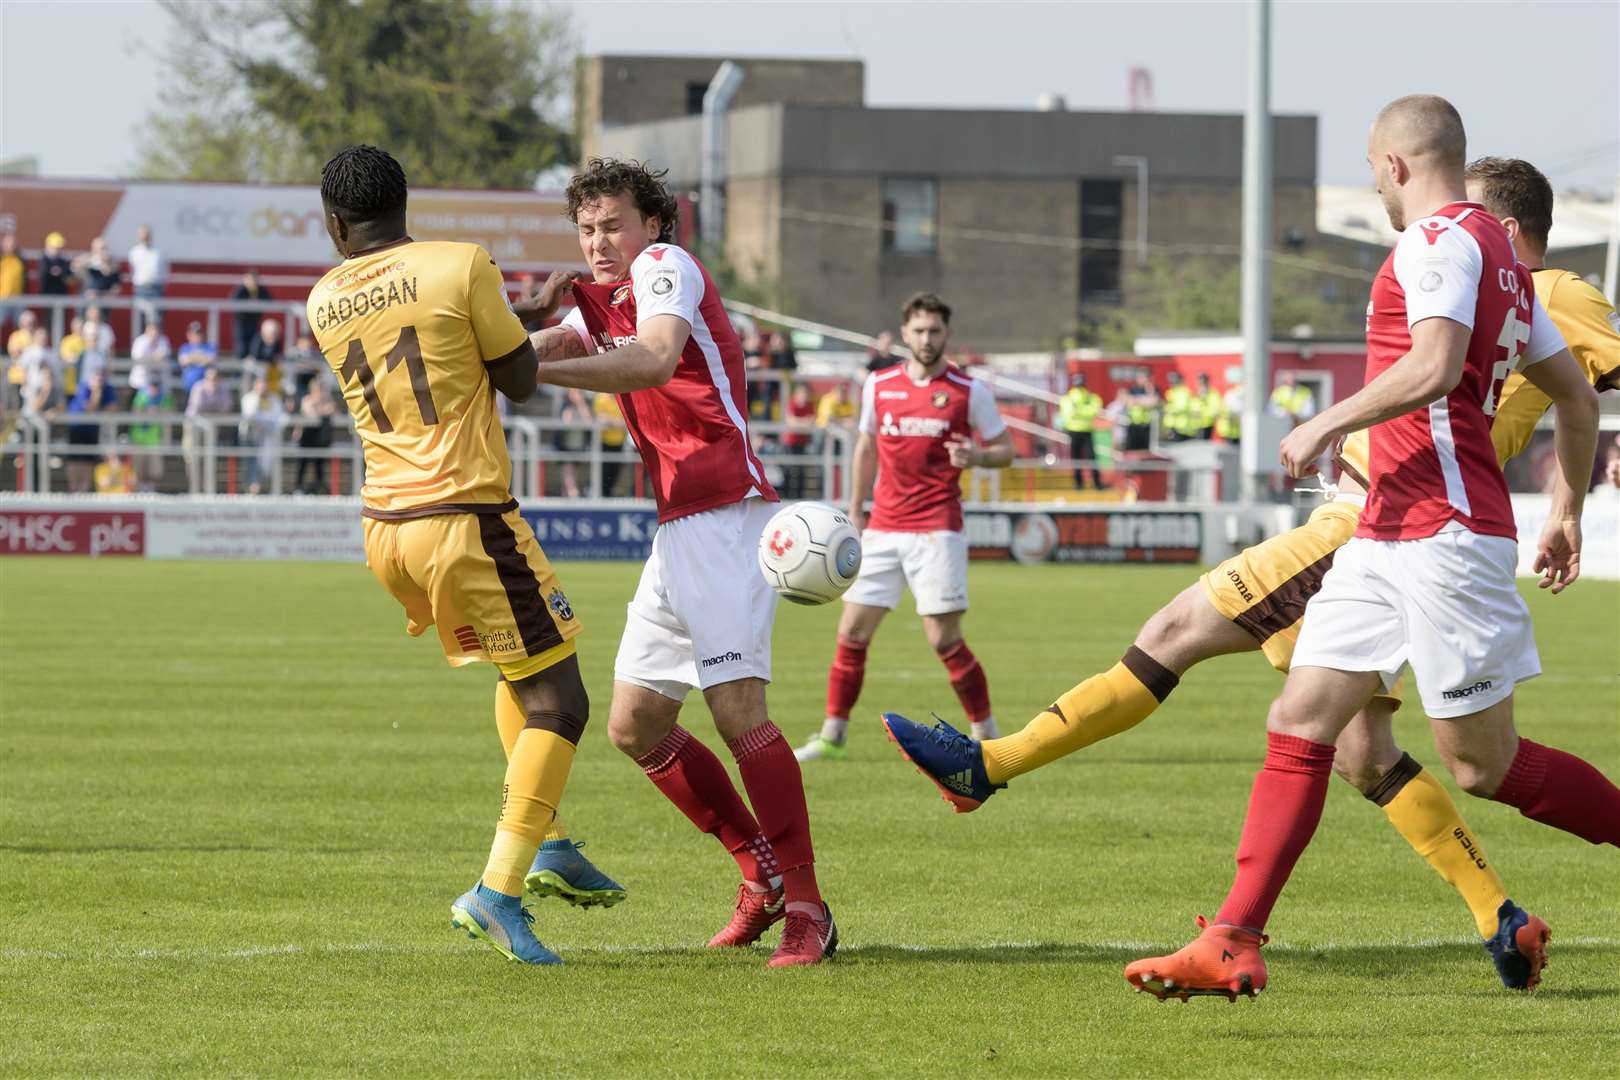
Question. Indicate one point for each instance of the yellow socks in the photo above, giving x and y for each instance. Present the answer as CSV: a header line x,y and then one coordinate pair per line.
x,y
535,776
510,722
1103,705
1424,814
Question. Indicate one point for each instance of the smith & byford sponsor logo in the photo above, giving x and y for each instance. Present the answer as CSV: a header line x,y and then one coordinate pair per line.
x,y
1466,691
723,658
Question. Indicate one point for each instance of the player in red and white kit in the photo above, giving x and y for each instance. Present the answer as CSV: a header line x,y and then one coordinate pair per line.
x,y
919,422
651,329
1428,579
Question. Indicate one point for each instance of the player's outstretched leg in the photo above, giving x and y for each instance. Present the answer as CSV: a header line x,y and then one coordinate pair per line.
x,y
952,760
558,868
856,625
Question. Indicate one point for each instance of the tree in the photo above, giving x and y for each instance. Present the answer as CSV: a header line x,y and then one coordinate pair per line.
x,y
461,92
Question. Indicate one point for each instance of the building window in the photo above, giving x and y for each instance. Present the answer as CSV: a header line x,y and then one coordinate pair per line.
x,y
910,215
1102,213
694,97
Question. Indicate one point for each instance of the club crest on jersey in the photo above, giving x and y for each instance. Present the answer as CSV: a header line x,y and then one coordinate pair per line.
x,y
558,602
1431,233
940,399
620,295
663,283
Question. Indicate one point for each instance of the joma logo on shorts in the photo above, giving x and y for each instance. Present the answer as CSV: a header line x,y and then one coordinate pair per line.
x,y
1468,846
723,658
1466,691
1243,590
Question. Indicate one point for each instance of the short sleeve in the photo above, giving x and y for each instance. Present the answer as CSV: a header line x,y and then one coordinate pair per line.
x,y
1545,339
666,281
575,321
1438,266
868,424
498,330
982,412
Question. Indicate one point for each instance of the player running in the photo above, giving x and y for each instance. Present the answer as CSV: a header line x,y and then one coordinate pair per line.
x,y
1428,579
918,424
443,534
702,613
1254,601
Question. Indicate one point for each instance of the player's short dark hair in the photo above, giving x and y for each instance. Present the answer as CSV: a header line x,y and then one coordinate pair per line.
x,y
645,186
925,301
363,184
1516,189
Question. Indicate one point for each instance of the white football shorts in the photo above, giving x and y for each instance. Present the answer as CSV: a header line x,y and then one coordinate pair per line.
x,y
1445,604
932,564
702,613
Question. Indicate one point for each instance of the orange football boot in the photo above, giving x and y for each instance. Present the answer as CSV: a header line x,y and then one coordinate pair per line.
x,y
1223,961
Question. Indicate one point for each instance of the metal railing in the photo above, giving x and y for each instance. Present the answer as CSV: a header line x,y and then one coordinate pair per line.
x,y
61,309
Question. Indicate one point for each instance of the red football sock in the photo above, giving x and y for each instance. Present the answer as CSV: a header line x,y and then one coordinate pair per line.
x,y
845,676
967,679
692,778
771,775
1561,790
1284,807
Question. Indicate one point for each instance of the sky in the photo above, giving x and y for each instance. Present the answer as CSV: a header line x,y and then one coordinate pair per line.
x,y
1539,81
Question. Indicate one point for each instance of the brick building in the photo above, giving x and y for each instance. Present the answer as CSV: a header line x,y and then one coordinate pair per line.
x,y
1023,219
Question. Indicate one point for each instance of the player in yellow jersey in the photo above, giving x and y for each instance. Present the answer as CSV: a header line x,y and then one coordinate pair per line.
x,y
421,336
1256,601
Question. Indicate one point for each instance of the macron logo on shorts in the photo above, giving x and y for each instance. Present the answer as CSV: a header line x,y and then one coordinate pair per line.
x,y
1466,691
723,658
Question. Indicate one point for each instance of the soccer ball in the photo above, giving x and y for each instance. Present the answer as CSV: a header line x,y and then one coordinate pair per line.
x,y
810,553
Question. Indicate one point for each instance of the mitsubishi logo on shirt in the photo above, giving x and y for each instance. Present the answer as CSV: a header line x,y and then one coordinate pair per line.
x,y
915,427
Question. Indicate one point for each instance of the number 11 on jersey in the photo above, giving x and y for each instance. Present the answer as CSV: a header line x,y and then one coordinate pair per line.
x,y
356,365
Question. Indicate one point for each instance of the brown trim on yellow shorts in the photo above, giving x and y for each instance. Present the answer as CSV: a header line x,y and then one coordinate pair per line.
x,y
529,611
1350,470
1283,606
439,510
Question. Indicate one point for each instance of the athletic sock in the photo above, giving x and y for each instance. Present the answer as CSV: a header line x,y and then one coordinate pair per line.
x,y
775,787
835,730
1561,790
692,778
1284,809
967,679
1103,705
1424,814
844,678
986,729
509,723
535,778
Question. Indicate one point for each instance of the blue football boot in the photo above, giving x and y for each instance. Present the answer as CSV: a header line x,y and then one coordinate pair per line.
x,y
954,762
503,922
1519,949
560,870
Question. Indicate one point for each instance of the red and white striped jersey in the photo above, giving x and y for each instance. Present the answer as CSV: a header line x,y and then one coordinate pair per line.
x,y
692,432
918,489
1436,465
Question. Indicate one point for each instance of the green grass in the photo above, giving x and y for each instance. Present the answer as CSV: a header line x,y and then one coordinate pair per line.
x,y
236,802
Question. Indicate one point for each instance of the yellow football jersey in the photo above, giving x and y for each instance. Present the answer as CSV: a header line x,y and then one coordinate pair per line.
x,y
1591,329
409,329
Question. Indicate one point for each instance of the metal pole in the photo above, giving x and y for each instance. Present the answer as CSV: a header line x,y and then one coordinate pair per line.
x,y
1140,163
1256,234
1611,260
716,104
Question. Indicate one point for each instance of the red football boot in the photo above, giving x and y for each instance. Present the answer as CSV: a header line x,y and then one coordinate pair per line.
x,y
806,939
1223,961
755,913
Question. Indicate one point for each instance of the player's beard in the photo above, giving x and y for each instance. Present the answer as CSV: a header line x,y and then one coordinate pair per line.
x,y
927,357
1392,207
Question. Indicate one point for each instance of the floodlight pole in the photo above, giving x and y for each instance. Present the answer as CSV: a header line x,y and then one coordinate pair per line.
x,y
716,103
1256,234
1140,164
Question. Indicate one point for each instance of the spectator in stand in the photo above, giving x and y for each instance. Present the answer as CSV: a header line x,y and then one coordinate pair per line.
x,y
837,408
95,395
13,280
43,396
299,368
70,348
98,272
797,439
150,357
881,355
262,420
570,407
1207,406
263,356
1179,422
148,268
208,398
150,438
317,410
197,355
24,369
247,322
1292,400
1229,421
1141,401
55,271
605,409
95,330
755,360
115,475
23,336
783,360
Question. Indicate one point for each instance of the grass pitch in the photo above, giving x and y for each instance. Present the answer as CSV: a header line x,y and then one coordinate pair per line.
x,y
236,802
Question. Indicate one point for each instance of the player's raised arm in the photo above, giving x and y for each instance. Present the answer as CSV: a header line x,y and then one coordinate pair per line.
x,y
508,356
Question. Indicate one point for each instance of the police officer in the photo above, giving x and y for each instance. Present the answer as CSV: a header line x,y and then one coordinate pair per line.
x,y
1141,402
1179,423
1077,413
1291,400
1207,407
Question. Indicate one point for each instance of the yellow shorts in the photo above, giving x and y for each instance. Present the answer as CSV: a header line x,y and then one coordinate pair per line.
x,y
1265,588
483,580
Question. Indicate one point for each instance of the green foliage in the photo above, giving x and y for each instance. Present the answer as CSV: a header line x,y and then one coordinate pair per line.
x,y
232,835
266,90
